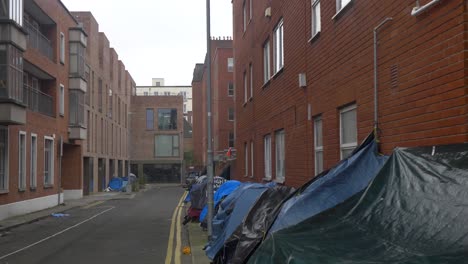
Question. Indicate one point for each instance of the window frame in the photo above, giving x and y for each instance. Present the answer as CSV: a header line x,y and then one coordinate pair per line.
x,y
33,164
244,16
173,147
340,6
246,97
231,139
278,47
22,167
162,128
146,118
62,48
266,62
267,156
347,146
52,162
246,159
61,100
251,80
318,148
250,10
280,153
252,164
4,182
230,64
231,89
231,114
316,25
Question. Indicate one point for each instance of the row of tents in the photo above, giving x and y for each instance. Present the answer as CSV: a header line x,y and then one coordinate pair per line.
x,y
410,207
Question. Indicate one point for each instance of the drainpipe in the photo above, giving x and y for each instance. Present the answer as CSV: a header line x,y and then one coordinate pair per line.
x,y
376,116
421,9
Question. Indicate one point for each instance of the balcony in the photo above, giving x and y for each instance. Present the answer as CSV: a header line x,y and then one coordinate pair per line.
x,y
38,101
12,108
38,41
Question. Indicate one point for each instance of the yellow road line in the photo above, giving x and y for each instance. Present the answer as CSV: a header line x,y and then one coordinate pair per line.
x,y
92,204
178,239
171,233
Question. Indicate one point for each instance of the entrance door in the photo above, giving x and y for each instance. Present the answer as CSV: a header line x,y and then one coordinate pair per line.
x,y
86,175
101,175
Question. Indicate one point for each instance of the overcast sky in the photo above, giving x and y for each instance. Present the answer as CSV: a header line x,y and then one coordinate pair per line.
x,y
158,38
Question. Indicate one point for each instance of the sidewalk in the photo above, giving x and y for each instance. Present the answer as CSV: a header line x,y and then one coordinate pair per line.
x,y
197,239
15,221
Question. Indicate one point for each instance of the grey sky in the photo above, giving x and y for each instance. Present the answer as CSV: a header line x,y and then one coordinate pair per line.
x,y
158,38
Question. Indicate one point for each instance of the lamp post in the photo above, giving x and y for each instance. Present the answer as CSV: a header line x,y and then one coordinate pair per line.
x,y
210,148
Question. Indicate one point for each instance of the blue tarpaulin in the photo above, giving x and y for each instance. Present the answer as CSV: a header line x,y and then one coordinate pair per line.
x,y
223,191
343,181
116,184
232,212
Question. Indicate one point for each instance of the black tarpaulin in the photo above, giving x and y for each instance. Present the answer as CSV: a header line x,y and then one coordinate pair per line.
x,y
414,211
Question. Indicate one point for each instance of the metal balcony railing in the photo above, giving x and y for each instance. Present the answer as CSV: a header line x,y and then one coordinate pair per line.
x,y
38,101
38,41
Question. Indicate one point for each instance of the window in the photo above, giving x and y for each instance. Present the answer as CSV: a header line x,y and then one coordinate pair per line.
x,y
22,161
230,64
76,108
11,75
62,47
48,161
62,100
348,130
166,146
231,114
250,9
149,119
167,93
280,155
245,88
155,93
185,108
77,59
252,159
244,15
316,23
318,145
246,159
33,174
3,158
158,83
100,95
145,93
231,139
251,80
340,4
230,89
12,9
167,119
267,156
266,62
278,47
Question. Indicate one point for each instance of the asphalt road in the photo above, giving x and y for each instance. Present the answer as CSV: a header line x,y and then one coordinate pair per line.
x,y
118,231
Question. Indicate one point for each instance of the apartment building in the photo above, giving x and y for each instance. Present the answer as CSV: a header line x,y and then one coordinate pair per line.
x,y
157,138
42,84
223,112
304,73
107,103
159,89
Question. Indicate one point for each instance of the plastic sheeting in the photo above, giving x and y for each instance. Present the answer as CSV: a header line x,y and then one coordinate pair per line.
x,y
232,212
414,211
198,195
254,227
349,177
223,191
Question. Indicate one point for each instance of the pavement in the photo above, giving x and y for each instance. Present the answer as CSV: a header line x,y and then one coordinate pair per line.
x,y
197,241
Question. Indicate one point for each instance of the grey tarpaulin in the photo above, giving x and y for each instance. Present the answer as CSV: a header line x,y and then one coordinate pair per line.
x,y
414,211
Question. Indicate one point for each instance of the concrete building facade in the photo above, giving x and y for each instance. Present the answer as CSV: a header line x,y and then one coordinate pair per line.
x,y
157,138
304,76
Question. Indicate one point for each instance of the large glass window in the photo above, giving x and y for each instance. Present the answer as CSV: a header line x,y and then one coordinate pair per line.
x,y
48,161
266,62
149,119
348,130
22,161
280,155
3,158
166,146
267,156
77,59
11,73
167,119
318,144
278,47
76,108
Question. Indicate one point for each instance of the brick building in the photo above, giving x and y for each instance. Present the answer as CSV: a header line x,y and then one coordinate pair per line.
x,y
157,137
110,86
223,117
288,130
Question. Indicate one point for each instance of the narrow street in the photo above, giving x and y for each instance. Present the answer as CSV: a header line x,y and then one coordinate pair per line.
x,y
116,231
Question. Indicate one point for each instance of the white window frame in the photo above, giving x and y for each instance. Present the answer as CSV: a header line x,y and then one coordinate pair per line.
x,y
233,114
267,156
347,146
250,10
280,155
52,161
231,84
6,147
244,15
266,62
245,88
230,64
252,164
251,80
62,100
246,159
340,5
278,47
22,149
62,47
317,147
316,18
33,165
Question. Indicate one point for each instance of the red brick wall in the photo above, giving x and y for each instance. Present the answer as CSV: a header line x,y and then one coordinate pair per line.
x,y
424,104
